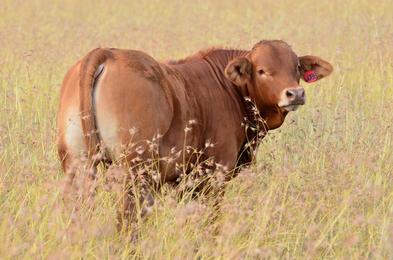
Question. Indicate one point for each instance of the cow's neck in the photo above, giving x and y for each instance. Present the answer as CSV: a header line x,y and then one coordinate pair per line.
x,y
214,62
218,60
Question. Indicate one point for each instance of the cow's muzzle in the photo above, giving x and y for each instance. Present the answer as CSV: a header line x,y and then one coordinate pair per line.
x,y
292,98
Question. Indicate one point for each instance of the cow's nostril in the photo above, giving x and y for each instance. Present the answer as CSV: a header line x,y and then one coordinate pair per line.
x,y
290,94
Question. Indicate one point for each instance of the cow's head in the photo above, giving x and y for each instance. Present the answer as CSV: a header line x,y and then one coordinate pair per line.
x,y
270,74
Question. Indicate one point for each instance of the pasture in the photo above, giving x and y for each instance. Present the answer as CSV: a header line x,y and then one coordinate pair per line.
x,y
322,185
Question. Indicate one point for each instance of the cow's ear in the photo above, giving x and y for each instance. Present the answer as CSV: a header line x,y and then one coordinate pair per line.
x,y
239,71
314,66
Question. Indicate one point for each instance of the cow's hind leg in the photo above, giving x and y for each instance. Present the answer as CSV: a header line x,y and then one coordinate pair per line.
x,y
137,189
68,167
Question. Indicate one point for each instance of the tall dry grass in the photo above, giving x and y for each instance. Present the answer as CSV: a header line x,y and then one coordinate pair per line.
x,y
322,186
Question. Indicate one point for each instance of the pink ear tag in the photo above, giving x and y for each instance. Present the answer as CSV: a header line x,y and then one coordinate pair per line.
x,y
310,76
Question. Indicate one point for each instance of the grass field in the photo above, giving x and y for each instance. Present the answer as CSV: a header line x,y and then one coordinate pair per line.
x,y
322,186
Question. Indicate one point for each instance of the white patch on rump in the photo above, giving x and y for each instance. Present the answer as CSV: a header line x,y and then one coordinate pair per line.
x,y
107,129
74,134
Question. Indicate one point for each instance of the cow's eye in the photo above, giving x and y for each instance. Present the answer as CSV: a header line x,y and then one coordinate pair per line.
x,y
261,72
299,68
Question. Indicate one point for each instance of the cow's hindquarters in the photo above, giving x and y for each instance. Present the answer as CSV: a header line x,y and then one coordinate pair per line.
x,y
131,113
130,109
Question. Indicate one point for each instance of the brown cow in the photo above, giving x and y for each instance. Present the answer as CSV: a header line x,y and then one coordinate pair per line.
x,y
116,101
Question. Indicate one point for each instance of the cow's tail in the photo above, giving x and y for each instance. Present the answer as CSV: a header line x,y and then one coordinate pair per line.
x,y
91,68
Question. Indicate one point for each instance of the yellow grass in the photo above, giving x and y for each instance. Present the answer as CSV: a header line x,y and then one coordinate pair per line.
x,y
322,186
